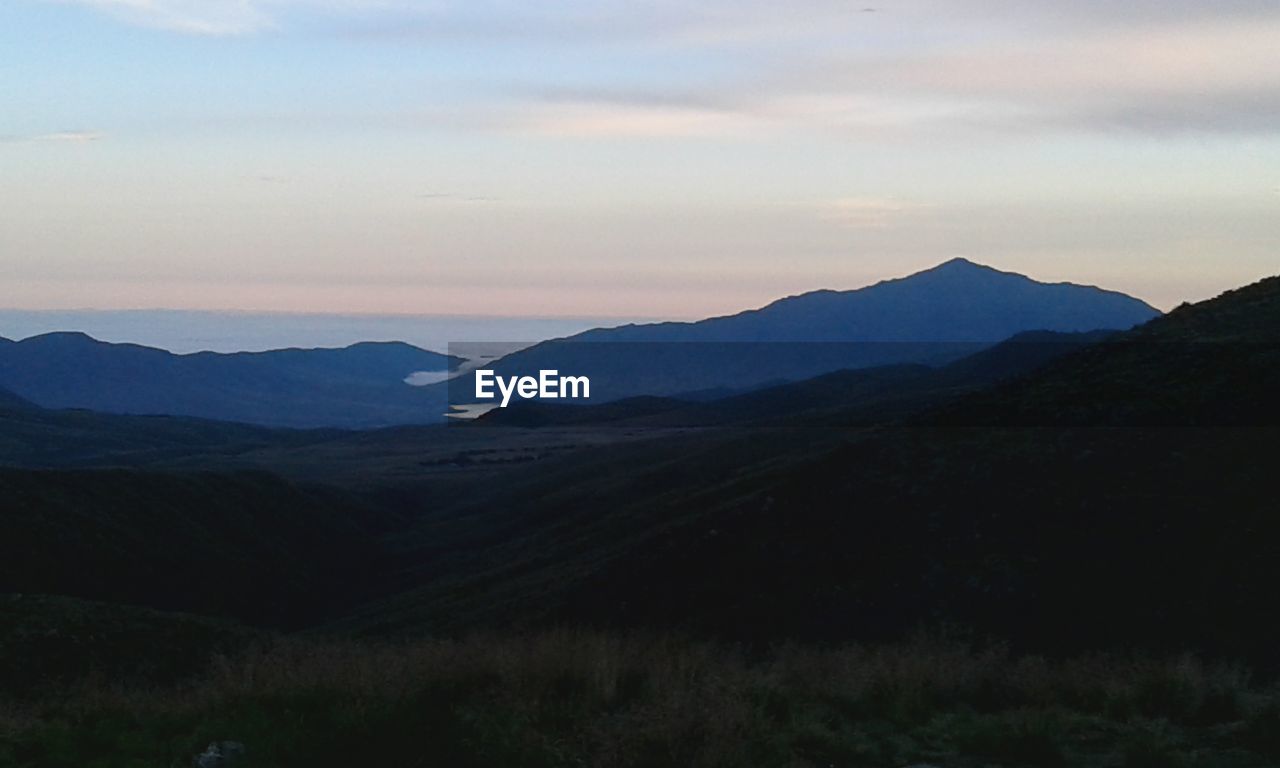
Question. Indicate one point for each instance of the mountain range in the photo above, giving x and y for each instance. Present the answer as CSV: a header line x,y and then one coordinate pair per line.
x,y
956,301
1054,497
839,398
1114,494
931,318
359,386
894,511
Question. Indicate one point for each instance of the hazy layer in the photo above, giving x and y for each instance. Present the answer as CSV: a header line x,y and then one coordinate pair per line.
x,y
183,331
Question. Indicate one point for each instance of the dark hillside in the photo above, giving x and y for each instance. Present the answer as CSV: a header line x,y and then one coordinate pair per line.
x,y
36,437
1211,364
49,643
858,396
245,545
11,402
1059,537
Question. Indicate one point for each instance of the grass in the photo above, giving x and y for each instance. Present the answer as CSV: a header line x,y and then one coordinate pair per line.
x,y
580,698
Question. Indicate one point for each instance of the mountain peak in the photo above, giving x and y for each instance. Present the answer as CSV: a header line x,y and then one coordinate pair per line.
x,y
61,337
959,266
960,262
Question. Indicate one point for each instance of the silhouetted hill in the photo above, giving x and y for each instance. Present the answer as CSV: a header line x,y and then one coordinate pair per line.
x,y
932,318
957,301
1021,354
1216,363
246,545
357,386
11,402
1056,535
535,414
31,436
865,395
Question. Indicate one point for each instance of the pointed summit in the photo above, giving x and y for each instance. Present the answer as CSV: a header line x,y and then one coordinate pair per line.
x,y
957,267
960,262
956,301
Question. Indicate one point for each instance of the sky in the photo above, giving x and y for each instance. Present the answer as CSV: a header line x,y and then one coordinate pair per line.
x,y
654,158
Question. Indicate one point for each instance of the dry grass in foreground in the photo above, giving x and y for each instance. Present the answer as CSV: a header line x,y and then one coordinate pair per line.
x,y
578,698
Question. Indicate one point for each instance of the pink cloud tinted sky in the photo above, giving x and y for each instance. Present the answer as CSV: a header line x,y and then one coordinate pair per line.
x,y
640,158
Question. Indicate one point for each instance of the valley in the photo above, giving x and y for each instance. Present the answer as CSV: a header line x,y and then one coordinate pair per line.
x,y
1024,499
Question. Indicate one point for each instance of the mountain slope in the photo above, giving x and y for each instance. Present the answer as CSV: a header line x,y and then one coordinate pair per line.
x,y
1053,536
358,386
1216,363
34,437
11,402
865,395
932,318
957,301
245,544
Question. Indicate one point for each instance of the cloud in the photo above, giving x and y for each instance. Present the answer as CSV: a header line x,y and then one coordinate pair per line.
x,y
198,17
729,23
224,17
670,69
867,212
62,137
1220,75
709,22
1173,59
76,137
453,197
595,119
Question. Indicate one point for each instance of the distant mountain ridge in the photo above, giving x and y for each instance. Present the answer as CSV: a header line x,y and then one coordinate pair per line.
x,y
929,318
357,386
956,301
932,317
